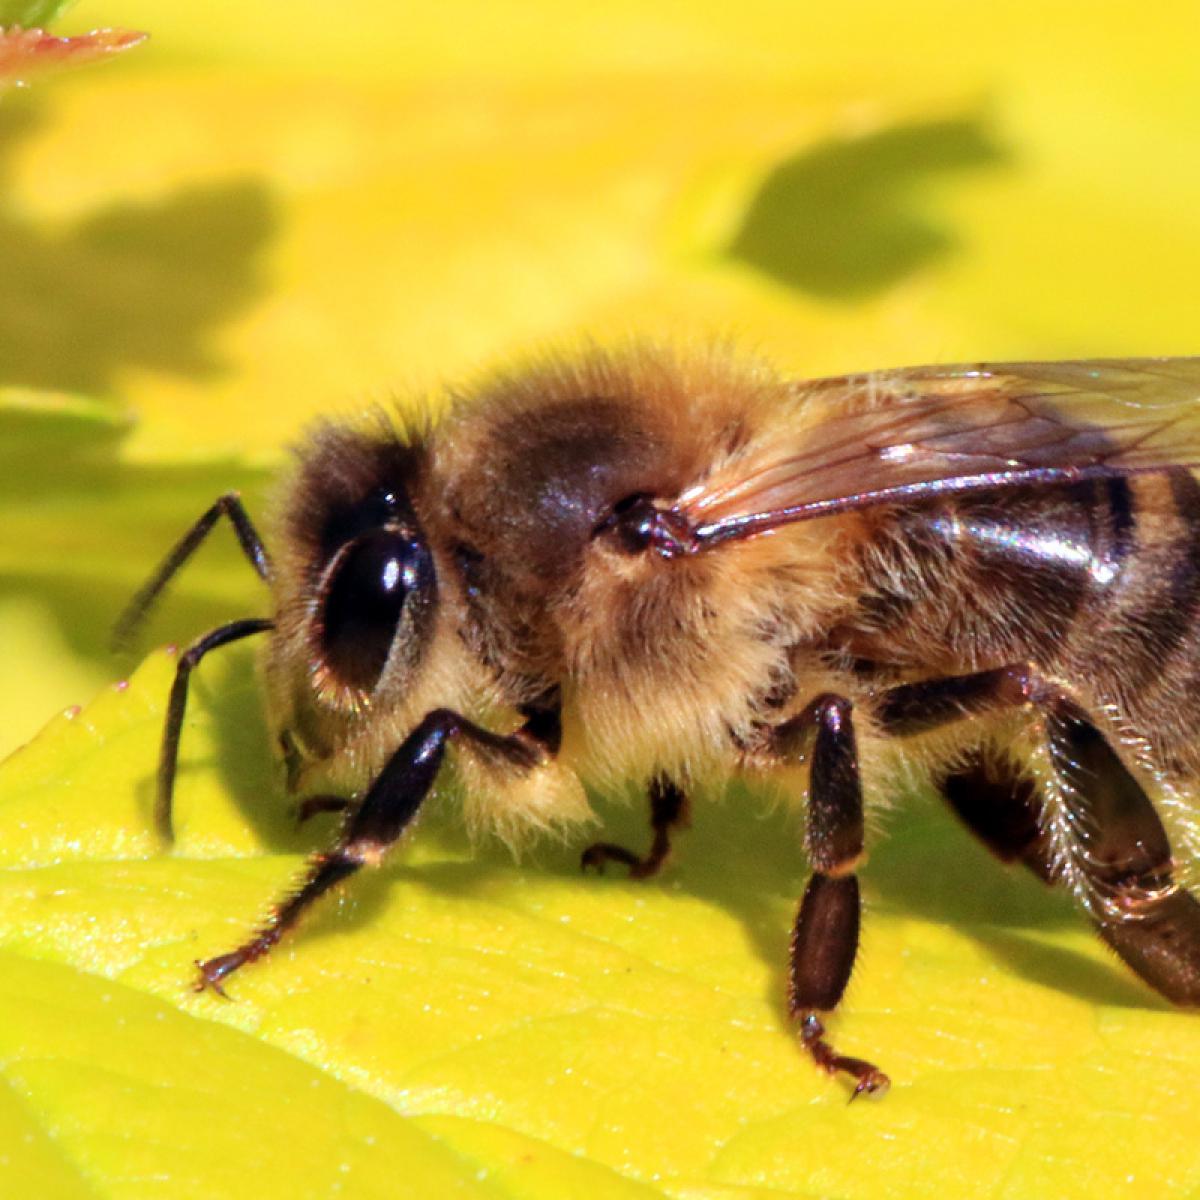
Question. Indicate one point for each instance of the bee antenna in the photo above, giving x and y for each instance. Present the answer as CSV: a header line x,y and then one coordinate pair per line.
x,y
128,624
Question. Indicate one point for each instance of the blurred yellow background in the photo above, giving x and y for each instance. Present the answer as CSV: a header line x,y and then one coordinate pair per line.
x,y
275,210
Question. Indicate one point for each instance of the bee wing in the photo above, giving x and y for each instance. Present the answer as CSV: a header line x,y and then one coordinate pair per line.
x,y
896,436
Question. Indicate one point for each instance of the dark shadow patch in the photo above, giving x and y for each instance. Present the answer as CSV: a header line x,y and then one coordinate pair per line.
x,y
927,865
841,220
132,285
749,862
251,771
1065,971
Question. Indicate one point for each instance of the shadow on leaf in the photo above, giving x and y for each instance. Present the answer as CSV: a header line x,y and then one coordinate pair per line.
x,y
840,220
1053,967
132,285
740,857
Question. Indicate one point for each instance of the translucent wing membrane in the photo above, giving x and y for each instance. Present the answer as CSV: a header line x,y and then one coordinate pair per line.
x,y
886,437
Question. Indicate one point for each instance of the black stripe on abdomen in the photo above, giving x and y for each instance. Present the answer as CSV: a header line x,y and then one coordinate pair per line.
x,y
1164,603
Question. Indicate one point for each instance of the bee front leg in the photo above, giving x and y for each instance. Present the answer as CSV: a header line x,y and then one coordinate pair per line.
x,y
383,814
138,608
668,811
825,937
168,755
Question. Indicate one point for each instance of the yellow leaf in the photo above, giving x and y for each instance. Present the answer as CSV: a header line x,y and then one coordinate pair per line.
x,y
521,1030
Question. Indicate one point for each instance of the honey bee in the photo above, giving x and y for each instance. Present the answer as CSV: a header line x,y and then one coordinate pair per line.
x,y
680,568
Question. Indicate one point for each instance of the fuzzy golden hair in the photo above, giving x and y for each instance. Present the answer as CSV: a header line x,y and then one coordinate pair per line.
x,y
671,667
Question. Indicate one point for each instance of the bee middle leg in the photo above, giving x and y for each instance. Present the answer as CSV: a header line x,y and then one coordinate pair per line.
x,y
1111,845
668,812
825,937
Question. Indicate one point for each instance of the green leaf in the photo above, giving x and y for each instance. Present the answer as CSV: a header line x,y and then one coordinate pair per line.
x,y
32,14
82,530
52,426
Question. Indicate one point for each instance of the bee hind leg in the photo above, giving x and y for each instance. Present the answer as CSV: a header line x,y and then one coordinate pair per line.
x,y
825,937
668,812
1138,909
1162,947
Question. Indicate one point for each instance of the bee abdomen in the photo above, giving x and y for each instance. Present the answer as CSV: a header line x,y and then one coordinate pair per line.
x,y
997,577
1143,637
1156,606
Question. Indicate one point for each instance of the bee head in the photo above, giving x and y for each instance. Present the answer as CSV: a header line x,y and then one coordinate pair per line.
x,y
365,592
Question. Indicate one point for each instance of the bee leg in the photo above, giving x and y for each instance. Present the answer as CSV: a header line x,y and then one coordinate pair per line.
x,y
1160,943
825,937
913,708
668,811
1152,923
1000,807
310,806
1122,851
1099,830
168,757
385,811
229,505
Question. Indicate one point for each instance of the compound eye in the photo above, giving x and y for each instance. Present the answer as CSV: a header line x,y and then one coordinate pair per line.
x,y
366,588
